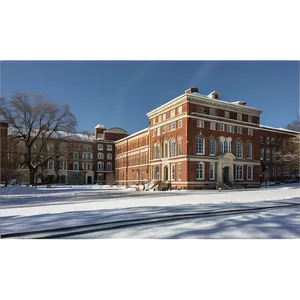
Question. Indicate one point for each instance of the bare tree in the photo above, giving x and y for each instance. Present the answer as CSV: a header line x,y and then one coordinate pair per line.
x,y
35,122
295,125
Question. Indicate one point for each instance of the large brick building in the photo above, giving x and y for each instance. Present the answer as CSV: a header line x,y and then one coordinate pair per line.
x,y
200,141
193,141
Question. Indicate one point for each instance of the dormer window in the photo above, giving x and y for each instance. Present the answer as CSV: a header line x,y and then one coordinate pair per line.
x,y
216,96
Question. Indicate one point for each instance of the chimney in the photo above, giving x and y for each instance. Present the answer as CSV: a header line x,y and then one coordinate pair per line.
x,y
191,90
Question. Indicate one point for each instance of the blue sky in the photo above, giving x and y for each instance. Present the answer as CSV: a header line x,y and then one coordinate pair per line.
x,y
120,93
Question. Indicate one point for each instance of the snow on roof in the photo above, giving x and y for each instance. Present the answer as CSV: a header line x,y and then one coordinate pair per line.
x,y
100,126
226,102
202,96
60,134
281,129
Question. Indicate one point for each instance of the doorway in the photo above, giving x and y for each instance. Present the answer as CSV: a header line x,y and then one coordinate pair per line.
x,y
226,174
89,180
166,173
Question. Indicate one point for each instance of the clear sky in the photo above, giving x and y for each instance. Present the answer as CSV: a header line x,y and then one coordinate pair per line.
x,y
120,93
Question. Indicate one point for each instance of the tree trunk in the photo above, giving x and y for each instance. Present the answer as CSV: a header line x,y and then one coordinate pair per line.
x,y
32,175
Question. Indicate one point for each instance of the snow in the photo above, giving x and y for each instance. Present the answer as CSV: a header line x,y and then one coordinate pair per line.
x,y
282,129
14,192
135,205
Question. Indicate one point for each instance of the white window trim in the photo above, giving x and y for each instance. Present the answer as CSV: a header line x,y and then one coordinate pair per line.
x,y
251,177
179,168
203,141
212,125
173,174
214,171
236,172
203,171
236,150
200,124
214,141
251,152
172,126
179,124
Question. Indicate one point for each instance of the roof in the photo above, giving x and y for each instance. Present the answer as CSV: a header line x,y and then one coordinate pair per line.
x,y
206,97
280,129
117,130
133,134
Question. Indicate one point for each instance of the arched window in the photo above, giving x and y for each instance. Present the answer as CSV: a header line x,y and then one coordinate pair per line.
x,y
212,146
172,147
63,165
166,149
239,150
75,165
221,145
100,165
100,155
249,150
109,156
156,151
200,145
109,166
179,141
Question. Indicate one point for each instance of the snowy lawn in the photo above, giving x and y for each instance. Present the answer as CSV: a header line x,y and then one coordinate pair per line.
x,y
21,219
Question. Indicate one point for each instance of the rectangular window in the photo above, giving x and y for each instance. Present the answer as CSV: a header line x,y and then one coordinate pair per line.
x,y
249,172
249,150
250,131
172,172
158,131
227,114
250,119
179,110
180,124
109,147
200,171
212,147
164,116
75,155
221,147
212,171
172,113
200,123
221,127
100,147
230,128
239,172
212,111
239,117
239,151
172,126
153,133
50,164
212,126
179,171
163,128
262,151
100,136
199,145
239,129
179,146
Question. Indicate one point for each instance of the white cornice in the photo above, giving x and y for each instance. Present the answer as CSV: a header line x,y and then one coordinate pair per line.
x,y
224,105
167,106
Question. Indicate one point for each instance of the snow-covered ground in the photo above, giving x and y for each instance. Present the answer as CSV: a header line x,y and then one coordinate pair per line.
x,y
12,192
19,219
